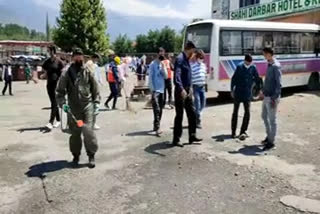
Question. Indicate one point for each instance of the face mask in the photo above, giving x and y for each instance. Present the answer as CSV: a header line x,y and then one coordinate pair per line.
x,y
247,66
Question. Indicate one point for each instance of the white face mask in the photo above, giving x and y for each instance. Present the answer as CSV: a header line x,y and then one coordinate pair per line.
x,y
247,66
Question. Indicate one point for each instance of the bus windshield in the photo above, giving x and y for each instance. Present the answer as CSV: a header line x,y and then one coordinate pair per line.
x,y
200,35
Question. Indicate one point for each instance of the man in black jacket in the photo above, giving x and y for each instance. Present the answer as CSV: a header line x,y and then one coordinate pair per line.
x,y
242,82
7,77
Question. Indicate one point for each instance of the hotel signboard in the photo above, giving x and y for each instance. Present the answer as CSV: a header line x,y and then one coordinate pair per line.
x,y
274,9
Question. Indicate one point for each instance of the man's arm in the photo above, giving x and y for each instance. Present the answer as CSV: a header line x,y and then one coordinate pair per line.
x,y
177,75
151,78
234,80
61,89
116,73
94,88
277,78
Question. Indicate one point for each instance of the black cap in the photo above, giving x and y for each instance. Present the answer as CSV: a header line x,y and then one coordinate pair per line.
x,y
190,45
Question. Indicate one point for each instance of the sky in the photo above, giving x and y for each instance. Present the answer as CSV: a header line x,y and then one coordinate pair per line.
x,y
129,17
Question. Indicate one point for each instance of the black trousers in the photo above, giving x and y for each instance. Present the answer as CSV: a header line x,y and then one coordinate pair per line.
x,y
246,118
51,89
157,104
6,84
113,94
168,92
181,105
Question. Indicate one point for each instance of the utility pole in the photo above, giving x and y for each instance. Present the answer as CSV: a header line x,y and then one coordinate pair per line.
x,y
48,28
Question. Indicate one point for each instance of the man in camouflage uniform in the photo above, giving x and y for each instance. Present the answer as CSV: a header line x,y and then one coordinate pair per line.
x,y
82,89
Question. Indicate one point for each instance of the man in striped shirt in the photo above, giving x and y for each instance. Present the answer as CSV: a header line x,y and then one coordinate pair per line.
x,y
199,72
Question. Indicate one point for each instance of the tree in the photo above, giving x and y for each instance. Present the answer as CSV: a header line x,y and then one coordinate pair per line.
x,y
123,45
82,23
167,39
17,32
141,44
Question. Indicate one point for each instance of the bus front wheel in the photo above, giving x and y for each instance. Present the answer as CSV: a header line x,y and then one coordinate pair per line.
x,y
314,81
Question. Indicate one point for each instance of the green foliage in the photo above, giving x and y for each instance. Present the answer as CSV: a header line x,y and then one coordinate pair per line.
x,y
82,23
17,32
166,38
123,45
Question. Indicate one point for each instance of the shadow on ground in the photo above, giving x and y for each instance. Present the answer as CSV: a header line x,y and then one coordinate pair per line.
x,y
40,170
154,148
222,138
46,108
42,129
253,150
141,133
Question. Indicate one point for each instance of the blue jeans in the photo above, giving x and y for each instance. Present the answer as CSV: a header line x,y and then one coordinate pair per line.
x,y
269,116
199,94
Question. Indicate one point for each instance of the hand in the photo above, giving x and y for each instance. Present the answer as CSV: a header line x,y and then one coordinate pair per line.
x,y
184,94
96,109
261,95
66,108
273,103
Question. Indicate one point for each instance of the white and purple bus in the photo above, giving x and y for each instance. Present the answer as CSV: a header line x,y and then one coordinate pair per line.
x,y
225,43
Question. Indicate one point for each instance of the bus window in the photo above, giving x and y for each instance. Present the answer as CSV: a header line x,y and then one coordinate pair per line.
x,y
200,35
282,42
307,43
231,43
248,42
295,41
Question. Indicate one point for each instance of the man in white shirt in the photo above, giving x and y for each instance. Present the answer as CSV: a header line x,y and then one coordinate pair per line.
x,y
7,77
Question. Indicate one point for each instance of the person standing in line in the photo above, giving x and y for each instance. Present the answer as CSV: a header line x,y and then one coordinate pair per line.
x,y
242,81
7,77
168,81
82,90
53,69
184,96
27,72
93,66
199,75
271,95
157,77
113,79
142,70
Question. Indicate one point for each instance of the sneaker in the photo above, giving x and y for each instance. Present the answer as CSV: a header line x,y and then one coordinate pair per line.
x,y
159,133
199,126
265,141
92,163
57,124
268,147
96,127
171,106
49,126
243,137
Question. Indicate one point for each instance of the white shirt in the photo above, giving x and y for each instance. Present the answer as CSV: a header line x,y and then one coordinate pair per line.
x,y
9,71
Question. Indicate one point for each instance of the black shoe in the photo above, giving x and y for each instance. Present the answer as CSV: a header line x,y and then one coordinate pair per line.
x,y
107,106
199,126
268,147
92,163
265,141
194,139
76,159
177,143
11,94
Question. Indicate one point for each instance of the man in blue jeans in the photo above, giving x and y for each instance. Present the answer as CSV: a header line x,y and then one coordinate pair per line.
x,y
157,76
199,74
271,94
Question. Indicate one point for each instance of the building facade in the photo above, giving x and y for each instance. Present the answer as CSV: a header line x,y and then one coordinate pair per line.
x,y
296,11
9,48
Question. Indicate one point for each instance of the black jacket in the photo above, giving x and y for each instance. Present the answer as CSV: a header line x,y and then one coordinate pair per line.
x,y
242,82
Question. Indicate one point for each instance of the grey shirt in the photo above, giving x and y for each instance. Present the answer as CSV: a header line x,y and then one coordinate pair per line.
x,y
272,82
